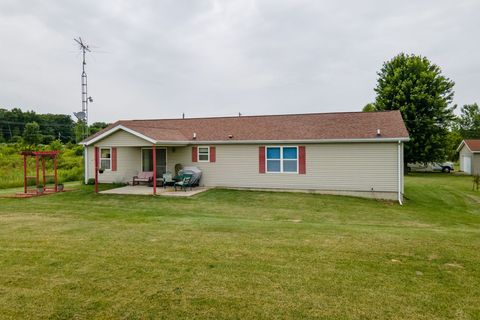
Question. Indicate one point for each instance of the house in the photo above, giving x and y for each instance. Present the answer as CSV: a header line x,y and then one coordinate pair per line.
x,y
350,153
469,156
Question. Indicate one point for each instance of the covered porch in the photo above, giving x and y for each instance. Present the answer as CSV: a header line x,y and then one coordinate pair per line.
x,y
143,168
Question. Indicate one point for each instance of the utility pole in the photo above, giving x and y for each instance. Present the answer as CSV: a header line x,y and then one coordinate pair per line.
x,y
83,115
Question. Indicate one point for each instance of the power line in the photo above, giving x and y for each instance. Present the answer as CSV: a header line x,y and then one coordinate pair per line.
x,y
39,123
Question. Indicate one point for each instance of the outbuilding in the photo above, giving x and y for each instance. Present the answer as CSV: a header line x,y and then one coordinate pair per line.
x,y
469,151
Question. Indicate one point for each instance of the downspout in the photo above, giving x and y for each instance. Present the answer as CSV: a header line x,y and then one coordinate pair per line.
x,y
400,173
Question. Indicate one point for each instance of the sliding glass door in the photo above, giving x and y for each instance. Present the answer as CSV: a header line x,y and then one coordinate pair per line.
x,y
147,160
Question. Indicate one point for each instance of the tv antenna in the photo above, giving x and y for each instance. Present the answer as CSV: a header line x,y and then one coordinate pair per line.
x,y
82,116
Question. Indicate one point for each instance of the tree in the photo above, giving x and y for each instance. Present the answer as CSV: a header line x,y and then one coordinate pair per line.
x,y
79,131
97,126
12,123
369,107
453,140
31,134
416,87
469,121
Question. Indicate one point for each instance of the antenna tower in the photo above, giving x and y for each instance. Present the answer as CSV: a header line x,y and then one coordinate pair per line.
x,y
83,115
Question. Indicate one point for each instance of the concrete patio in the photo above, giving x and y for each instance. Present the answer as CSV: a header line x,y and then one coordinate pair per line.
x,y
146,190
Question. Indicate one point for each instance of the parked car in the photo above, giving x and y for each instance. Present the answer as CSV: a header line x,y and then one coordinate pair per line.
x,y
430,167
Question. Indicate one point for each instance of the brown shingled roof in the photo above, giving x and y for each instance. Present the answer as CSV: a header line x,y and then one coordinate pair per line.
x,y
314,126
473,144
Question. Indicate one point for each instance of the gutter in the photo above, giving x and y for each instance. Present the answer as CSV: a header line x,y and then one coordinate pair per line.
x,y
200,142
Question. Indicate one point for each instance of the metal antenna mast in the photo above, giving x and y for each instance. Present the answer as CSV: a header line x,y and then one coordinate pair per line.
x,y
83,115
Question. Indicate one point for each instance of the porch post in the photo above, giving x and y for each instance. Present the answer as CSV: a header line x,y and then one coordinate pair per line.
x,y
154,155
55,172
25,181
96,169
43,173
38,170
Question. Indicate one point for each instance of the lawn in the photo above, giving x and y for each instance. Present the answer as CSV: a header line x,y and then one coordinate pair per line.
x,y
240,254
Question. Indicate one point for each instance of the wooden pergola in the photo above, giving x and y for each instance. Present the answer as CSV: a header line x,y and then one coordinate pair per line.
x,y
40,177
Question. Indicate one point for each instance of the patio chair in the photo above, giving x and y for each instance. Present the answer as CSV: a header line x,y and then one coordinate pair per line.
x,y
146,177
168,180
184,183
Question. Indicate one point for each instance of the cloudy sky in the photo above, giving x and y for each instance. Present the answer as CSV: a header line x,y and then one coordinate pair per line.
x,y
155,59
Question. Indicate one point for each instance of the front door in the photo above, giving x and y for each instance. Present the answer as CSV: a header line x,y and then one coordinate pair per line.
x,y
147,160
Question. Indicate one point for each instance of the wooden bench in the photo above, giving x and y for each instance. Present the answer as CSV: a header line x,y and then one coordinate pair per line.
x,y
145,177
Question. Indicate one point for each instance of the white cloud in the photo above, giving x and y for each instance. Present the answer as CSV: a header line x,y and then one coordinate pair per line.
x,y
162,58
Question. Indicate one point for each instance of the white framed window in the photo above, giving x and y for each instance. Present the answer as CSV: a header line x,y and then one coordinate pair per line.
x,y
106,158
281,159
203,154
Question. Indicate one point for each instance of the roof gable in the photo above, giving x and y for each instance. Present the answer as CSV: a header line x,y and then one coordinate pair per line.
x,y
472,144
114,128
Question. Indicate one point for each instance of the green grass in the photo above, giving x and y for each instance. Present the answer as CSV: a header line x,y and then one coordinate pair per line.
x,y
246,255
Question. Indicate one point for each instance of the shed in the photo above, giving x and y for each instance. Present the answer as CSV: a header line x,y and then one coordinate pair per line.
x,y
469,151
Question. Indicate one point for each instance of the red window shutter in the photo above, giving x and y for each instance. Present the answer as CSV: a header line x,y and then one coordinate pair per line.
x,y
261,159
114,159
213,155
194,154
96,159
302,163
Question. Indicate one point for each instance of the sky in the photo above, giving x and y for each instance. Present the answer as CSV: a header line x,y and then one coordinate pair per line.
x,y
162,58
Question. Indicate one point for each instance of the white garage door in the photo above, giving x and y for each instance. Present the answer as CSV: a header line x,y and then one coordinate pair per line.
x,y
467,164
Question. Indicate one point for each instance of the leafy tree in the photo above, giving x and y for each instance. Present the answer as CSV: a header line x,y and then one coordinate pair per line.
x,y
17,140
12,123
55,145
469,121
416,87
369,107
453,140
47,139
31,134
97,126
79,130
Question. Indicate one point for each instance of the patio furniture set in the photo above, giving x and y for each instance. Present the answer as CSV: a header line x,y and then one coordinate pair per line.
x,y
186,178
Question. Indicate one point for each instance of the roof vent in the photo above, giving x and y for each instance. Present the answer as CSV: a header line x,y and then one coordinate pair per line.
x,y
194,135
378,133
230,136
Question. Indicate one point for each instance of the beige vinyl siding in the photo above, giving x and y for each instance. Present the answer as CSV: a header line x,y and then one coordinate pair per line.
x,y
123,139
476,163
128,165
346,167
